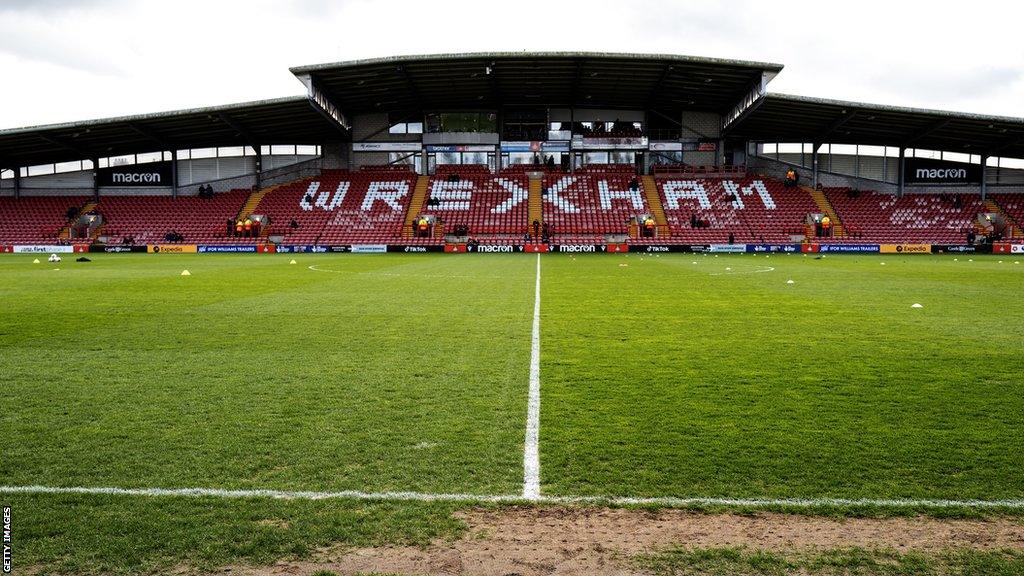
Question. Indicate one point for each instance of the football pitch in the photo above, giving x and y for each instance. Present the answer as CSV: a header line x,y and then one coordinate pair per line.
x,y
382,392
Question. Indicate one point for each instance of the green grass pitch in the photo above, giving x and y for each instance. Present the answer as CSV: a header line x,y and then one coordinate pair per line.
x,y
659,377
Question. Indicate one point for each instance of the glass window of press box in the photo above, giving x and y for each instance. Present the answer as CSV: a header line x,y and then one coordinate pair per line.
x,y
462,122
406,128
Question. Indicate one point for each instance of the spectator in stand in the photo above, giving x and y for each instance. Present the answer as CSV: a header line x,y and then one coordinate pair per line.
x,y
693,220
230,228
536,228
293,225
71,213
732,238
536,159
971,237
256,228
634,185
791,178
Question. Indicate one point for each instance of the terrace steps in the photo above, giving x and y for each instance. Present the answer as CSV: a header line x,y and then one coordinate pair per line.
x,y
536,201
65,232
419,195
993,206
826,208
654,201
253,201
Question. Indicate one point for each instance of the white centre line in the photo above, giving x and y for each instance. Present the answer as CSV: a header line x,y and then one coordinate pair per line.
x,y
531,448
665,501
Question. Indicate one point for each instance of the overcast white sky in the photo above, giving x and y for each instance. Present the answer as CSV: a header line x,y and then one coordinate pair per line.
x,y
63,60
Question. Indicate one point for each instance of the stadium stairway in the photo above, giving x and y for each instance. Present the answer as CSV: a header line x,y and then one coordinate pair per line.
x,y
654,201
994,207
826,208
65,232
419,195
536,201
254,200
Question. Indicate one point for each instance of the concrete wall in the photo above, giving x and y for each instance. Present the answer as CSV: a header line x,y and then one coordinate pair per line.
x,y
701,125
223,174
373,128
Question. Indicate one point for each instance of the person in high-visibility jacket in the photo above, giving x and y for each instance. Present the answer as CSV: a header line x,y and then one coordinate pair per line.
x,y
424,227
248,227
791,177
239,228
826,226
649,226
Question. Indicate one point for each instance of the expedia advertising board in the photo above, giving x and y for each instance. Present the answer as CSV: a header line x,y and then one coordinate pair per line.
x,y
172,249
905,248
136,175
928,171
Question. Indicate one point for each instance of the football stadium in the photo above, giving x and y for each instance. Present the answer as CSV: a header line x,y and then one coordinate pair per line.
x,y
515,313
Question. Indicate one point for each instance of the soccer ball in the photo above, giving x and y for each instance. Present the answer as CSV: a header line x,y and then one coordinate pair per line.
x,y
54,258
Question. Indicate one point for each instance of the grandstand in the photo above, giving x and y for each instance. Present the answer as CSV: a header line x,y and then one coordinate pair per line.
x,y
490,209
250,412
36,219
912,218
148,219
364,207
337,168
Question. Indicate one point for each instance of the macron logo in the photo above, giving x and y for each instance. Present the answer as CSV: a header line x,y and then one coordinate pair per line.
x,y
942,173
136,178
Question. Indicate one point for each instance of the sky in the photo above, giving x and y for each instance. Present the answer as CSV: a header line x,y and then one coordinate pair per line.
x,y
66,60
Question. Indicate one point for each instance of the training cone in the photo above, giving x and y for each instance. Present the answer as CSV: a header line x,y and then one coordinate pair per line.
x,y
36,261
916,306
293,262
186,273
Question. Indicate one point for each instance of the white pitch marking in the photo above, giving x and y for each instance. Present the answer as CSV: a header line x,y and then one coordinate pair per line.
x,y
531,445
767,269
667,501
315,268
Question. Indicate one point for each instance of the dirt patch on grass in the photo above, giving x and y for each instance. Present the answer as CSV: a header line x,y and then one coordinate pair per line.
x,y
593,541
